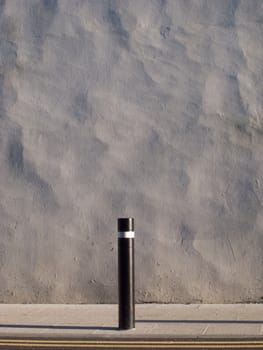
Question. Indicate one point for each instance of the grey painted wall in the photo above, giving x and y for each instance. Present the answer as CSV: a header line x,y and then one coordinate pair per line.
x,y
151,109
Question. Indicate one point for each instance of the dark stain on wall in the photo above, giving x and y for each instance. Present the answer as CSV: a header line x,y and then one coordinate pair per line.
x,y
50,5
15,156
2,107
8,58
43,191
182,181
8,54
2,6
81,109
187,236
234,89
9,93
165,31
42,15
221,13
2,255
26,171
243,201
115,23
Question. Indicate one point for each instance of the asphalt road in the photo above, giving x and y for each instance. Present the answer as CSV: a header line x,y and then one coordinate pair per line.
x,y
70,344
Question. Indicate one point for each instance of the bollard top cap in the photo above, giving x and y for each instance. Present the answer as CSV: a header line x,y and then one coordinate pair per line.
x,y
125,224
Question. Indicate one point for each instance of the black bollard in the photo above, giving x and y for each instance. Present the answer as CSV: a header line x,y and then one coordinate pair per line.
x,y
126,273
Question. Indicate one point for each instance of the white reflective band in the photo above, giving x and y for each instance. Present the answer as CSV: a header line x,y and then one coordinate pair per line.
x,y
126,234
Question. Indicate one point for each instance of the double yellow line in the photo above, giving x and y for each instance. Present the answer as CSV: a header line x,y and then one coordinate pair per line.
x,y
140,344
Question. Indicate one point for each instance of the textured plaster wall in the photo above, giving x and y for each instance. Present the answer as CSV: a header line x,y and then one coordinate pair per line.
x,y
151,109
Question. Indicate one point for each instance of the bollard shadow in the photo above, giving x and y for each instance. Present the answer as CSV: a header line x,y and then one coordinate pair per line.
x,y
203,321
58,327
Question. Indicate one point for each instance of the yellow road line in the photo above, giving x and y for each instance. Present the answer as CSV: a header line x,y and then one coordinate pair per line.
x,y
142,346
195,344
167,342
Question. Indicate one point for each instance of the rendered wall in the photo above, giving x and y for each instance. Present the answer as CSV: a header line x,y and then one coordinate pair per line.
x,y
151,109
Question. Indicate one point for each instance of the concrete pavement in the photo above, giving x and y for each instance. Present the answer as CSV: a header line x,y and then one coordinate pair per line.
x,y
152,321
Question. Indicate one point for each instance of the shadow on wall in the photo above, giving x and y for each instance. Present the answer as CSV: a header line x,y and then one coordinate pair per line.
x,y
204,321
33,326
26,326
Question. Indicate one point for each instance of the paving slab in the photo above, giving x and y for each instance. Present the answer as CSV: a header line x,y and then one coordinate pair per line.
x,y
152,321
